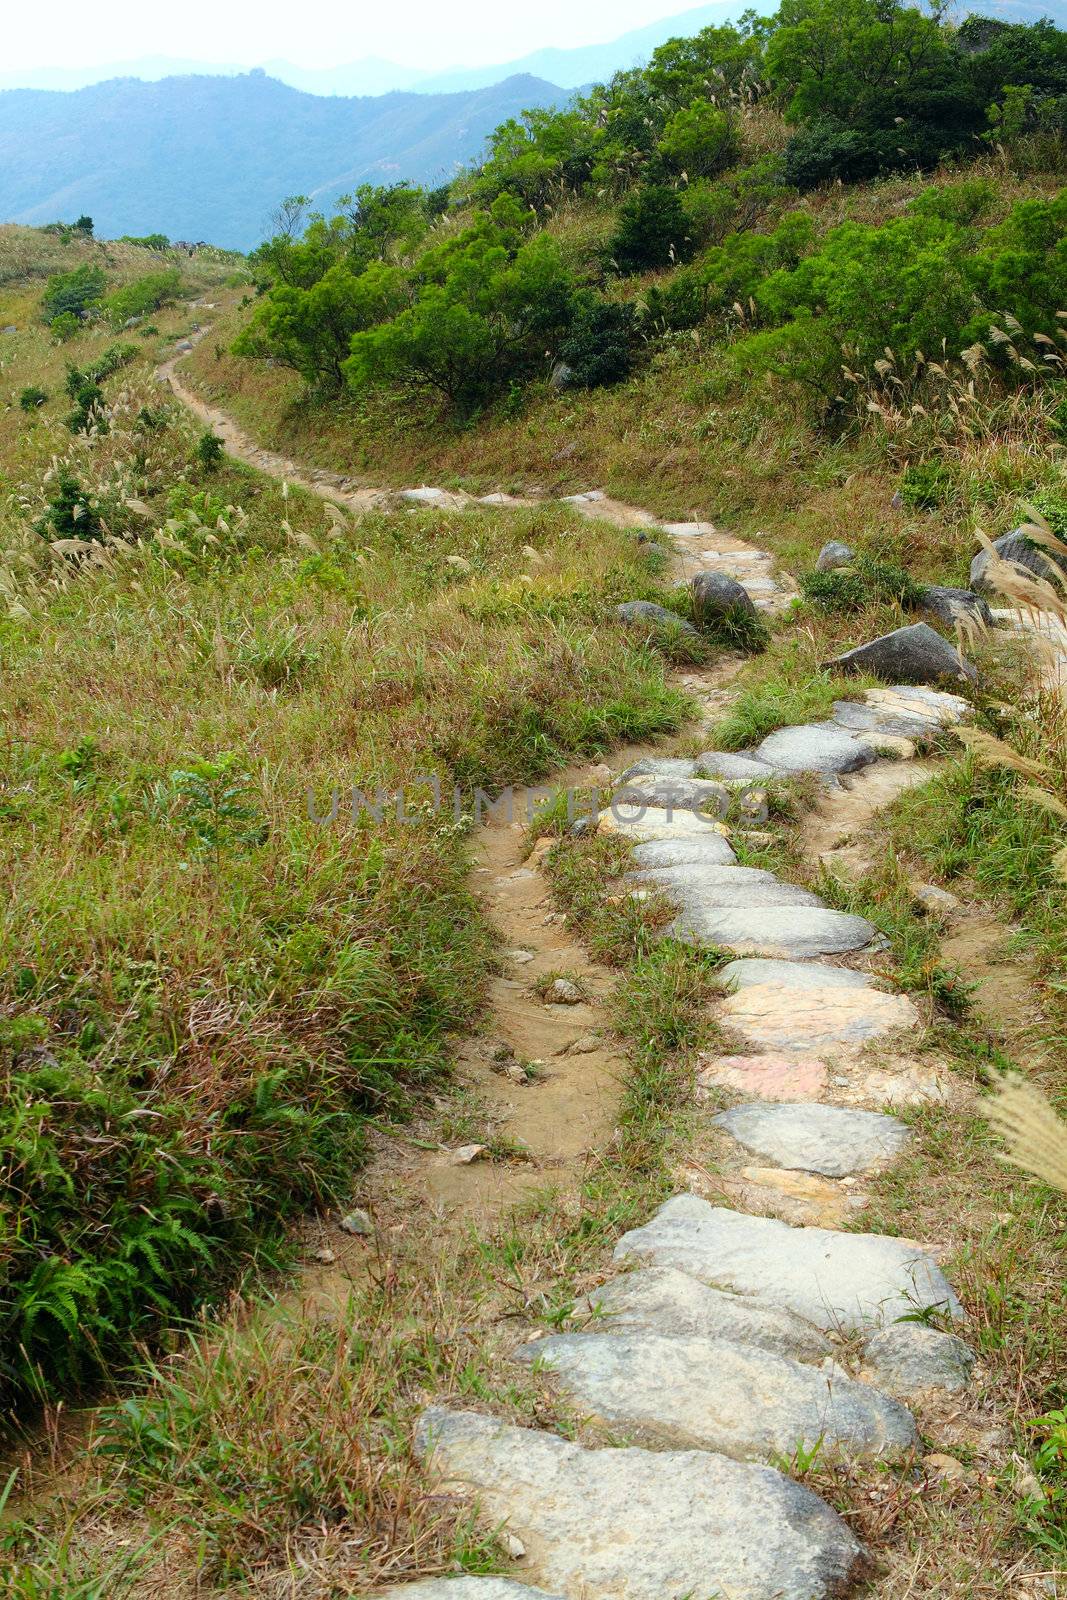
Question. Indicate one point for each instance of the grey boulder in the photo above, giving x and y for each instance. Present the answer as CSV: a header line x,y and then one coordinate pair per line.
x,y
648,614
906,1358
686,1391
663,1300
643,1524
916,654
819,747
1020,552
955,606
833,554
715,594
807,1137
845,1281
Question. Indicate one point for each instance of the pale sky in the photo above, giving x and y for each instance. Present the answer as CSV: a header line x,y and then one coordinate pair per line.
x,y
312,33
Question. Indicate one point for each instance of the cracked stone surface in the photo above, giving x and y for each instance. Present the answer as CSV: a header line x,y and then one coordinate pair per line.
x,y
799,1019
698,888
710,849
685,1390
791,975
846,1281
793,931
907,1358
663,1300
875,720
637,1524
819,747
832,1140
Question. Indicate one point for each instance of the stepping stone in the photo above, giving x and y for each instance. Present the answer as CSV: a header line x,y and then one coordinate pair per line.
x,y
682,794
688,530
643,1524
832,1140
771,1077
814,747
708,849
907,1358
663,1300
798,1019
791,975
428,497
796,1197
725,764
710,888
877,720
793,931
660,767
465,1588
687,1391
848,1282
658,824
909,697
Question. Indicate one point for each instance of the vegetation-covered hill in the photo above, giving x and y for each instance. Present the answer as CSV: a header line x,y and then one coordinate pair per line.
x,y
805,278
208,158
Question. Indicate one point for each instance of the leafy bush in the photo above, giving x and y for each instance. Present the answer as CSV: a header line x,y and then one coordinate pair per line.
x,y
210,450
651,230
71,513
926,485
145,294
73,293
866,582
599,347
147,241
31,398
700,139
65,326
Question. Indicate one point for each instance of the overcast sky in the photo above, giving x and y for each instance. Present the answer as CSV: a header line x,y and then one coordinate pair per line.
x,y
311,33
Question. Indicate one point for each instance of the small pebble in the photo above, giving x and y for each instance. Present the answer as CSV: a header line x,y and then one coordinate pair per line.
x,y
515,1547
562,992
358,1222
466,1153
325,1256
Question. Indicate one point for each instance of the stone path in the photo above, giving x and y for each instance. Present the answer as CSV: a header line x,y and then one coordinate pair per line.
x,y
728,1343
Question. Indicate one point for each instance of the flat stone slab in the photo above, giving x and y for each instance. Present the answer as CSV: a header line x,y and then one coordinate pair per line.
x,y
646,1525
832,1140
770,1077
726,765
465,1588
678,794
689,530
797,1019
875,720
792,931
845,1281
660,767
663,1300
909,697
791,975
814,747
699,888
685,1390
707,849
907,1358
642,824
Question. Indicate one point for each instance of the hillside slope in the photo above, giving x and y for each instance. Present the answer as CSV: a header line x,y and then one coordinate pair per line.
x,y
208,158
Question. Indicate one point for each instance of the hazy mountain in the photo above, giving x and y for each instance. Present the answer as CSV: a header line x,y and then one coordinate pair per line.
x,y
570,68
209,157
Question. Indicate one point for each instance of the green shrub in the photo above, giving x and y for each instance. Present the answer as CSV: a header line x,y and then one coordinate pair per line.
x,y
65,327
866,582
599,347
210,450
72,293
31,398
71,512
145,294
651,230
926,485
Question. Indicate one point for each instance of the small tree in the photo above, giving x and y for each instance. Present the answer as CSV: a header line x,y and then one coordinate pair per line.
x,y
651,230
210,450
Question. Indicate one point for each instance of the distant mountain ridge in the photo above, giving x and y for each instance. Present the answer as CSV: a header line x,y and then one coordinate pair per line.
x,y
569,68
210,157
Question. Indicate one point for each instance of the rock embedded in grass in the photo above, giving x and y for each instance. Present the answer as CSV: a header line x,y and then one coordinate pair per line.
x,y
908,1358
686,1390
648,614
848,1282
832,555
834,1141
715,595
1032,560
955,606
916,654
646,1524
